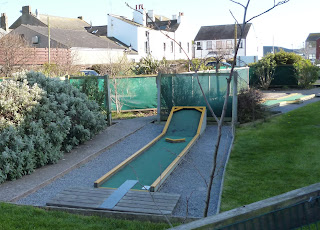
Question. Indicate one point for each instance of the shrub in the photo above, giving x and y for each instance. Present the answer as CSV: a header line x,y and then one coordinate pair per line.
x,y
147,65
49,117
265,70
249,105
306,73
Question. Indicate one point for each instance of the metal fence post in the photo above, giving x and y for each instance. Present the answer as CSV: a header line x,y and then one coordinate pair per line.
x,y
235,102
107,99
158,80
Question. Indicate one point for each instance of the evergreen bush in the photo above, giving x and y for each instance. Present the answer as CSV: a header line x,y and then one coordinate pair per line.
x,y
40,118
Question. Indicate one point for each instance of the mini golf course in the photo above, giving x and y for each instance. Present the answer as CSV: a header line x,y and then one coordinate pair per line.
x,y
294,98
152,164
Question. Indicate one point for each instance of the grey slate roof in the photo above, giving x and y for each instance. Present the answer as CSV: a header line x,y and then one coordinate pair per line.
x,y
98,30
168,25
313,37
75,38
55,22
64,23
220,32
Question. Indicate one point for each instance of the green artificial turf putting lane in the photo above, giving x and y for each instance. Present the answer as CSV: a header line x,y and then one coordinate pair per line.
x,y
148,166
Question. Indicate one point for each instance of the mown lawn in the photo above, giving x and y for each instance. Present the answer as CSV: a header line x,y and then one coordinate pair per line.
x,y
27,217
274,157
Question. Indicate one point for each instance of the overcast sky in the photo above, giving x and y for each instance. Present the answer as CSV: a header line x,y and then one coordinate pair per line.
x,y
287,25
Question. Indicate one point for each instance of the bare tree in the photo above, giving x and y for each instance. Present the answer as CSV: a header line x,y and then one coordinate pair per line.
x,y
220,121
122,67
241,28
15,54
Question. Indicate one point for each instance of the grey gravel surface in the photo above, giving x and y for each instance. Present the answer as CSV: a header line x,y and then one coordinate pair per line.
x,y
185,180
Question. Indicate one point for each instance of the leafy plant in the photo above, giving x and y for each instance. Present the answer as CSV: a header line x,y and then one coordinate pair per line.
x,y
306,73
147,65
265,70
40,119
249,105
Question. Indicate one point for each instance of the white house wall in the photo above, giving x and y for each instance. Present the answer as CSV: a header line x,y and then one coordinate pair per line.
x,y
124,32
136,36
253,46
88,56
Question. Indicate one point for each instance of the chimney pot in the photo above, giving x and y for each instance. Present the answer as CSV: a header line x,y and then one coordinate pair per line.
x,y
80,17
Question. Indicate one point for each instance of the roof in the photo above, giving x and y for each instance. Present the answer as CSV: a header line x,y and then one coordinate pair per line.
x,y
55,22
63,23
98,30
168,25
313,37
122,18
220,32
75,38
269,49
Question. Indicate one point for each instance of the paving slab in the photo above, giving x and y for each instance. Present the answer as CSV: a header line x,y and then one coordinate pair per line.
x,y
12,191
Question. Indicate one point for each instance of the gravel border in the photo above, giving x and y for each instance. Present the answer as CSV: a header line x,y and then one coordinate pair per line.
x,y
185,179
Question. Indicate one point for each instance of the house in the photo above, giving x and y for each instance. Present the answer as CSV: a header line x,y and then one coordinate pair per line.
x,y
218,40
310,46
150,34
318,49
37,19
72,34
86,48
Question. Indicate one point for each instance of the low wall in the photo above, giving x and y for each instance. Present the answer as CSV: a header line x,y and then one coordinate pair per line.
x,y
287,211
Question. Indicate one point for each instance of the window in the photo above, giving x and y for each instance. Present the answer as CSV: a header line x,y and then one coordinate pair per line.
x,y
188,47
229,44
171,46
209,45
199,46
164,47
35,40
180,47
219,44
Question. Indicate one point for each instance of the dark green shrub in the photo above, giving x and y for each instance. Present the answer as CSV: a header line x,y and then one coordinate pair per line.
x,y
249,106
306,73
46,118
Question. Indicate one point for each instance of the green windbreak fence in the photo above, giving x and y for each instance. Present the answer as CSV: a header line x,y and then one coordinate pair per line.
x,y
184,90
131,93
134,93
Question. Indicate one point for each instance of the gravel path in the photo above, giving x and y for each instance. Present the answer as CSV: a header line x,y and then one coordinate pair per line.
x,y
185,180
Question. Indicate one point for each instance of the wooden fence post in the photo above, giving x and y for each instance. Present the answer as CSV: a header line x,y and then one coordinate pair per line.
x,y
158,81
235,101
107,99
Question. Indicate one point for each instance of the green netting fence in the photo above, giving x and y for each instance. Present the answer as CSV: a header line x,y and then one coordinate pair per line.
x,y
131,93
184,90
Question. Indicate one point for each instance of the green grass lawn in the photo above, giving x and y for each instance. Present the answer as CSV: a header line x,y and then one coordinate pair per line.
x,y
27,217
273,158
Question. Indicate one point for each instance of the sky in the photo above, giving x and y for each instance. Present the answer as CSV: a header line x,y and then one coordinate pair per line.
x,y
286,26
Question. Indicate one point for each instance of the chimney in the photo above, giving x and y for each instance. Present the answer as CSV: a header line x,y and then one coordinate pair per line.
x,y
80,17
139,15
150,17
180,17
26,10
174,17
4,22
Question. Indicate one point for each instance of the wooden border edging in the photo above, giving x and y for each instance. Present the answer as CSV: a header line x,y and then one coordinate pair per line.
x,y
120,215
255,209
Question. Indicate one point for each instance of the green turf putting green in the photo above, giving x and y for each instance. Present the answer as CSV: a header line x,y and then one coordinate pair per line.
x,y
285,99
153,161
